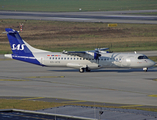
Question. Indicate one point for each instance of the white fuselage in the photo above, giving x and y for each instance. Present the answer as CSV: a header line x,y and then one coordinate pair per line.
x,y
106,60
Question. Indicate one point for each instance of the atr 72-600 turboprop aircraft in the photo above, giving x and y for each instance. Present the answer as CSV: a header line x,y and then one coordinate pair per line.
x,y
82,60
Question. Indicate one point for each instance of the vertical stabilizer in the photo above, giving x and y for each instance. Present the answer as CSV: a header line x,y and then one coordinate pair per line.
x,y
20,48
16,43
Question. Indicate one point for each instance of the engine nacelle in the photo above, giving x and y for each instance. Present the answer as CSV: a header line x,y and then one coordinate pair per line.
x,y
96,55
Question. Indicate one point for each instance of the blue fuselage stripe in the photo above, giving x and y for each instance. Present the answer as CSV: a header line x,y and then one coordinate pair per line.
x,y
30,59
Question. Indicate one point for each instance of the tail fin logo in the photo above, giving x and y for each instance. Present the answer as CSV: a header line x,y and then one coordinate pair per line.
x,y
18,47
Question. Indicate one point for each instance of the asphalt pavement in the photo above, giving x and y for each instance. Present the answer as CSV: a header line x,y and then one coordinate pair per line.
x,y
100,16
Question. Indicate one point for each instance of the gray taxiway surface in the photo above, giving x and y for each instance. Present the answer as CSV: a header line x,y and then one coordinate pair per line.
x,y
100,16
122,86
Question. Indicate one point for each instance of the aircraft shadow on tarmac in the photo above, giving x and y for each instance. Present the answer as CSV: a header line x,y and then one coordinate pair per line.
x,y
106,70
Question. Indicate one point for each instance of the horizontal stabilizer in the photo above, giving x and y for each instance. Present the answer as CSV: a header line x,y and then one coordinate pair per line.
x,y
8,56
9,30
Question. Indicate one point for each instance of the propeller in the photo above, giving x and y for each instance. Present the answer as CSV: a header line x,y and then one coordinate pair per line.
x,y
97,54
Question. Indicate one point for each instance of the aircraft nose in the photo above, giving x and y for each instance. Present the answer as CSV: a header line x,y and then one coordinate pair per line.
x,y
152,63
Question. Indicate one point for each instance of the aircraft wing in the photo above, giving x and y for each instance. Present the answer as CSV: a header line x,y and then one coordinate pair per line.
x,y
75,53
95,53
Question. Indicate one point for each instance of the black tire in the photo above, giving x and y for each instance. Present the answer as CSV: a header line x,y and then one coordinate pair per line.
x,y
87,69
81,70
146,70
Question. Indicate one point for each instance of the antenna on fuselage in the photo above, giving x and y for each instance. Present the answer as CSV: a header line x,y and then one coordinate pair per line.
x,y
135,52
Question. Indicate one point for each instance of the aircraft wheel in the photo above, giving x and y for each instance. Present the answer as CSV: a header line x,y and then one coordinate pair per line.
x,y
87,70
145,69
81,70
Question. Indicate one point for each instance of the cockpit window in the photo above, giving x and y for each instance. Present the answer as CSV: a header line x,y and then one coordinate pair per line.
x,y
142,57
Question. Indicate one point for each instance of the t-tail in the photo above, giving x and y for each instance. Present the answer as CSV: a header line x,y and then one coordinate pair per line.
x,y
21,50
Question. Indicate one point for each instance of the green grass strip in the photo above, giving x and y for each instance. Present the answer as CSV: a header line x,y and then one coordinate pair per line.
x,y
77,5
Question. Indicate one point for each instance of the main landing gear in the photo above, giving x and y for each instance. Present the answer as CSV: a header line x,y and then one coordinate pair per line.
x,y
81,70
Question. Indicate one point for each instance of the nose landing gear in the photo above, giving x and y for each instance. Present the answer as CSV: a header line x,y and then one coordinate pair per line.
x,y
145,69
